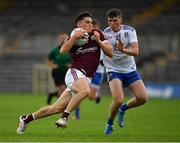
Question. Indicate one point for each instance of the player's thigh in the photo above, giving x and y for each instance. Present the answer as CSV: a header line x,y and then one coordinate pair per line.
x,y
81,85
116,89
138,89
63,100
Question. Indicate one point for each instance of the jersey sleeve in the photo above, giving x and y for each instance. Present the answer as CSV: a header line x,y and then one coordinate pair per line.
x,y
133,36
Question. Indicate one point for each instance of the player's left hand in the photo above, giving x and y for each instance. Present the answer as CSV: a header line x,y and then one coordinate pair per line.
x,y
119,45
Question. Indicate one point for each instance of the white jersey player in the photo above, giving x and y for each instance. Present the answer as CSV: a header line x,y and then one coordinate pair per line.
x,y
121,68
120,62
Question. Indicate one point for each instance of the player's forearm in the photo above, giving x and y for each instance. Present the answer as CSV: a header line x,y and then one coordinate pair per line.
x,y
67,45
131,51
106,47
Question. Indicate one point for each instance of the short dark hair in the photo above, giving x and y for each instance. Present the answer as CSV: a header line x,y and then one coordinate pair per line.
x,y
81,15
114,12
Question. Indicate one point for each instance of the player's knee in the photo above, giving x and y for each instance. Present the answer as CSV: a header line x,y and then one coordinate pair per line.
x,y
146,98
84,93
143,98
118,100
92,96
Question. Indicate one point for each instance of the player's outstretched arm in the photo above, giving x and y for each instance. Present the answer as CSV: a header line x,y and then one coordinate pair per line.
x,y
106,47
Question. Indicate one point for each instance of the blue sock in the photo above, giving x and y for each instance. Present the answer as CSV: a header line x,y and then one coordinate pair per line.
x,y
77,112
124,107
109,122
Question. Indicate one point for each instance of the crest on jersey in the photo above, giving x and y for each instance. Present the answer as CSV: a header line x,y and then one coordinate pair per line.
x,y
126,34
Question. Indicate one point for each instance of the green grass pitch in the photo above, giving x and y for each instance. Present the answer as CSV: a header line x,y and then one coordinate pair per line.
x,y
158,120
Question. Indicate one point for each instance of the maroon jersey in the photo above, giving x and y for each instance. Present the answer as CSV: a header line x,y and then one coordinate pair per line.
x,y
86,57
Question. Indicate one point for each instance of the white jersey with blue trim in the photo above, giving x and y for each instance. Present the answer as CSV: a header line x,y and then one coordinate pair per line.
x,y
120,62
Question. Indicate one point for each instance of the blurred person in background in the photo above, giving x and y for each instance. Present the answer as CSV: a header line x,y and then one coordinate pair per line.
x,y
121,68
85,60
97,79
59,64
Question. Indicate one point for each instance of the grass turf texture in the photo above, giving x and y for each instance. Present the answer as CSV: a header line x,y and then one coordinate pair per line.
x,y
158,120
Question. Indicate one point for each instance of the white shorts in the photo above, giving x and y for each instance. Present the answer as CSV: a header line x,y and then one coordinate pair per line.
x,y
72,75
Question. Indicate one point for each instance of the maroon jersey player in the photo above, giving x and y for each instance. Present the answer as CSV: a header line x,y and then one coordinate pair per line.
x,y
85,60
87,56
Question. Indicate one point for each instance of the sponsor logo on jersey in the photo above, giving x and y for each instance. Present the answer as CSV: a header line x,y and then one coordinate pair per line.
x,y
87,50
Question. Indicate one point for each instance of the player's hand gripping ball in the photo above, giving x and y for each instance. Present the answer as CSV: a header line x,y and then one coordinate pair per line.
x,y
82,40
